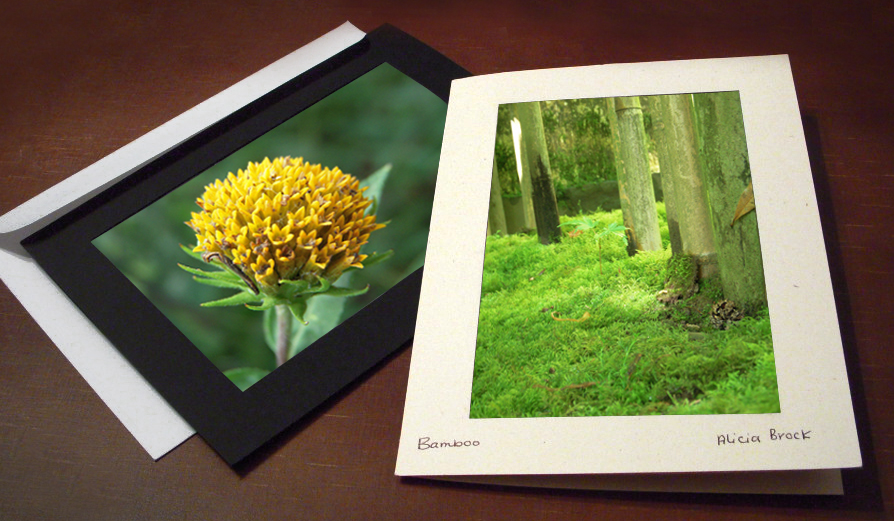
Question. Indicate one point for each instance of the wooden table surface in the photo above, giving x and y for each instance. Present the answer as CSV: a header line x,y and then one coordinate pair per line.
x,y
82,78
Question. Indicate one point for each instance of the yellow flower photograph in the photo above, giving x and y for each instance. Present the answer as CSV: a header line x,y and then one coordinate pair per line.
x,y
284,220
267,251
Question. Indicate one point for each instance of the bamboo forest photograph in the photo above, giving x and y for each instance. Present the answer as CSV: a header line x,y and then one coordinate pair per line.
x,y
622,271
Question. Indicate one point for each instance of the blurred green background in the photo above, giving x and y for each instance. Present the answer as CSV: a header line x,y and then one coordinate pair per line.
x,y
382,117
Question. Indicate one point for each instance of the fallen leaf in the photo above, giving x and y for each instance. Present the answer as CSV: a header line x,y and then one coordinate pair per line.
x,y
541,272
585,316
746,203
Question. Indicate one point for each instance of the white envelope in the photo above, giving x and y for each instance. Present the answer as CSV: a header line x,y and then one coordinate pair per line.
x,y
155,425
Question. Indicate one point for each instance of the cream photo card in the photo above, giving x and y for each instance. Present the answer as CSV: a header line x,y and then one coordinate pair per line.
x,y
626,274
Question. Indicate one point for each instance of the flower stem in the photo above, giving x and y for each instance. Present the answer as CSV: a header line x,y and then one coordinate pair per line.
x,y
283,334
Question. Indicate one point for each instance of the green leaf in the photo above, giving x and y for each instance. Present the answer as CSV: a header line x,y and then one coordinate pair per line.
x,y
322,288
375,258
298,286
320,315
245,377
270,328
298,308
303,287
346,292
234,300
220,283
219,275
194,254
265,305
374,185
581,223
614,229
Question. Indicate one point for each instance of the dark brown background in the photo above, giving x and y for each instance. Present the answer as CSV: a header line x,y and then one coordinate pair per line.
x,y
83,78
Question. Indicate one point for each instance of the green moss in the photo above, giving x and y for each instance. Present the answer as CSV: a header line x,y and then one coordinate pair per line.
x,y
626,357
681,270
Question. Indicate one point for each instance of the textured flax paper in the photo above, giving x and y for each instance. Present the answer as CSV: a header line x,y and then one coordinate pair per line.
x,y
813,387
142,411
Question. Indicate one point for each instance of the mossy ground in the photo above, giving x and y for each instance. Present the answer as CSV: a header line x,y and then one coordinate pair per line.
x,y
631,355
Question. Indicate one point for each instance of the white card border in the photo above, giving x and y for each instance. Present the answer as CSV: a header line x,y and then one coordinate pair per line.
x,y
814,392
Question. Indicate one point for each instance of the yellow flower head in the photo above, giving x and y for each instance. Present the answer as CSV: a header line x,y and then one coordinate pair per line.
x,y
285,220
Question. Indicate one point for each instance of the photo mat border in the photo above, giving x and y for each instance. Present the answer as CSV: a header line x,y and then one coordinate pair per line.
x,y
233,422
813,396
